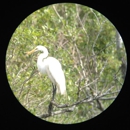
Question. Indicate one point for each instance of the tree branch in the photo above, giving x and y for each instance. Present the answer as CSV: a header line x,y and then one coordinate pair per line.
x,y
71,107
56,12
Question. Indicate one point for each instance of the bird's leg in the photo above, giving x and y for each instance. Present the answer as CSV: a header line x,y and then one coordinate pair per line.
x,y
54,92
53,96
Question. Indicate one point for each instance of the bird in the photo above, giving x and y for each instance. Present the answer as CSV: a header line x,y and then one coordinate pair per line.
x,y
51,67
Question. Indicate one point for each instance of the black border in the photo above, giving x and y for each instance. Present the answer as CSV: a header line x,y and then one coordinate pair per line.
x,y
13,115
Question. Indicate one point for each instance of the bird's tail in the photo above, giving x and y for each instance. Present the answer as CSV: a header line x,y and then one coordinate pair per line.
x,y
61,89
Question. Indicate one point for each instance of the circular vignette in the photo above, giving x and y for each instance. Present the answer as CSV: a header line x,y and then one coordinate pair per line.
x,y
93,58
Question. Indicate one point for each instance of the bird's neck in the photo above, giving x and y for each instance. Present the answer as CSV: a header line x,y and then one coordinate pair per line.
x,y
44,55
41,57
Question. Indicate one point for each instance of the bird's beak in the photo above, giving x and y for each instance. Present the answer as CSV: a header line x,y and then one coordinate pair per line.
x,y
30,52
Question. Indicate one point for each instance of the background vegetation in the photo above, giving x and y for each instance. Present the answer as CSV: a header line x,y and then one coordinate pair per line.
x,y
90,50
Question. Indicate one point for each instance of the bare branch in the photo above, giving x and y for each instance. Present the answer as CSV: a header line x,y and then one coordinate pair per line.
x,y
105,94
90,83
99,105
95,16
81,23
81,63
103,68
71,107
56,11
108,90
108,98
55,113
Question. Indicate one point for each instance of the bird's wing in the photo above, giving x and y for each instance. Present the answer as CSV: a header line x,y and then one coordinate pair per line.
x,y
56,74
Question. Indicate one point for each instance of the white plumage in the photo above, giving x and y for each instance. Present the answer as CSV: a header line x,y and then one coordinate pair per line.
x,y
51,67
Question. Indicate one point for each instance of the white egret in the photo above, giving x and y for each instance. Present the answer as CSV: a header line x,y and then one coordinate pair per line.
x,y
52,67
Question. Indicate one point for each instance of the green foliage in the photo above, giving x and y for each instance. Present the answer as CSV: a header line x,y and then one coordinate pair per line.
x,y
84,41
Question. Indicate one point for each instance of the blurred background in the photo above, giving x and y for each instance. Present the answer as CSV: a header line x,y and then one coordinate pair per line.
x,y
92,54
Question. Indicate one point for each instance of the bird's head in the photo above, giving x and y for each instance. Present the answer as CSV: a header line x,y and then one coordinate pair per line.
x,y
38,48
